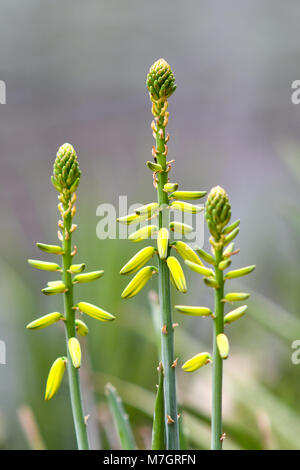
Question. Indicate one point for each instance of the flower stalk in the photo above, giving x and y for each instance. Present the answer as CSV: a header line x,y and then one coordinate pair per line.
x,y
217,214
66,176
161,85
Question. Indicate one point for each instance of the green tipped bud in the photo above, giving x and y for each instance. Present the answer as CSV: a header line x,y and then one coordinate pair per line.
x,y
154,166
217,211
77,268
44,265
197,361
223,345
55,377
186,207
66,172
55,287
224,264
75,352
87,277
231,236
139,281
163,243
160,80
148,209
188,194
231,227
138,260
94,312
235,314
240,272
53,249
170,187
81,327
206,256
131,219
186,252
44,321
211,282
143,233
236,296
199,269
180,228
177,274
194,311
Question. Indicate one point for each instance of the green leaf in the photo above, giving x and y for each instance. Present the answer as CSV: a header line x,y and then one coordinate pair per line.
x,y
120,419
158,429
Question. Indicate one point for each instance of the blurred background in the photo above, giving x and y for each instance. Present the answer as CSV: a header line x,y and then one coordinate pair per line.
x,y
75,72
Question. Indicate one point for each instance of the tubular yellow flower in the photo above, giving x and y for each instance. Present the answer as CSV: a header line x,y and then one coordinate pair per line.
x,y
170,187
240,272
194,311
45,321
75,352
197,361
188,194
81,327
163,243
54,249
143,233
87,277
148,209
180,228
223,345
236,296
138,282
177,274
200,269
56,287
224,264
186,207
131,219
235,314
186,252
138,260
94,312
77,268
55,377
44,265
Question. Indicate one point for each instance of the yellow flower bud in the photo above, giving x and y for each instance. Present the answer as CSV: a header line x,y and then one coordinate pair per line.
x,y
235,314
180,228
223,345
138,282
87,277
199,269
143,233
138,260
177,274
186,207
55,377
45,321
94,312
44,265
81,327
163,243
186,252
75,352
197,361
194,311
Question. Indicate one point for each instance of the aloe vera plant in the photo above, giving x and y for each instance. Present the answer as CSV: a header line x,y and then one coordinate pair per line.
x,y
161,85
65,179
217,214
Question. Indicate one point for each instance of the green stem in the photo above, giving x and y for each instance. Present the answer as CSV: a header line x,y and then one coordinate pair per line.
x,y
216,422
167,335
70,331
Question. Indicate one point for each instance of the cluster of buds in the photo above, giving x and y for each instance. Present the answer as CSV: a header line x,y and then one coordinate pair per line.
x,y
217,214
66,176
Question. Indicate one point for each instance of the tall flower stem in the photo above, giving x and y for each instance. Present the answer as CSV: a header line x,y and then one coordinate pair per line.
x,y
70,332
167,334
216,421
